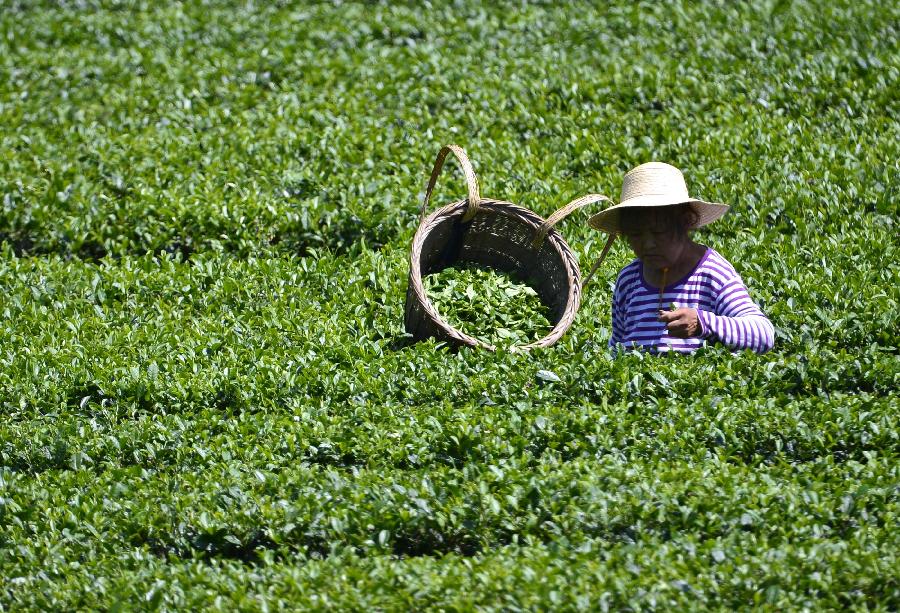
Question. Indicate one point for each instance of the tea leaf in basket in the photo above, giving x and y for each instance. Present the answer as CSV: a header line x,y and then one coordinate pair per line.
x,y
488,305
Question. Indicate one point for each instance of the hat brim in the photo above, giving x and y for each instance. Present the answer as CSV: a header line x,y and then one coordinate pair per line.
x,y
607,220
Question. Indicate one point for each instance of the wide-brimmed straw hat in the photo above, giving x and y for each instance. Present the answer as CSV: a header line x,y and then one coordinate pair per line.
x,y
655,184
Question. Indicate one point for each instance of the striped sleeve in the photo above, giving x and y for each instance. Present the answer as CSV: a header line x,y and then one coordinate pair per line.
x,y
737,322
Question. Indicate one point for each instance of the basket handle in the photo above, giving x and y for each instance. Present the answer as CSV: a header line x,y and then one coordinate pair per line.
x,y
468,172
609,243
561,214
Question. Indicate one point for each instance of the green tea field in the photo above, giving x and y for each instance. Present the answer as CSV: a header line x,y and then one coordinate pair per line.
x,y
207,398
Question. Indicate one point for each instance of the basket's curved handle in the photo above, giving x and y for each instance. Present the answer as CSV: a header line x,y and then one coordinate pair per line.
x,y
468,172
562,213
609,243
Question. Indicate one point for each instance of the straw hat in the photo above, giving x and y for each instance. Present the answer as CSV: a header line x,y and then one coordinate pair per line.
x,y
655,184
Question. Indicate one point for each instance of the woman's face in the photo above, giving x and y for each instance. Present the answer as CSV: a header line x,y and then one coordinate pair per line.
x,y
655,236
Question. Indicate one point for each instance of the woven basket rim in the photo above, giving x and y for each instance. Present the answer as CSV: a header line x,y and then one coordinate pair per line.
x,y
496,207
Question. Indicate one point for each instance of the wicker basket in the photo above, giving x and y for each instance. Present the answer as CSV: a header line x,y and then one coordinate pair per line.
x,y
500,235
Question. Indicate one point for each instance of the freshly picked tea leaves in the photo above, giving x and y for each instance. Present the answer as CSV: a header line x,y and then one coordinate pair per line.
x,y
488,305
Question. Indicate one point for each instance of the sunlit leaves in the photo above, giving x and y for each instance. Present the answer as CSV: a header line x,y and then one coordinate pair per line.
x,y
208,397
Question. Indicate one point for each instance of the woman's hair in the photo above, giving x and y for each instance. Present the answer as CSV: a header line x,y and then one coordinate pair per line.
x,y
681,217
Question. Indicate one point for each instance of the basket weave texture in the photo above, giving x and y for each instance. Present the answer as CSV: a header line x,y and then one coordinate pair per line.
x,y
499,235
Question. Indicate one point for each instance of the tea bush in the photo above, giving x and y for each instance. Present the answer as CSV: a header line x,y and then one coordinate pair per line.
x,y
208,398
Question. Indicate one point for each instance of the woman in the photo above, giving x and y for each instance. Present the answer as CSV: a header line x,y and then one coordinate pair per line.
x,y
677,295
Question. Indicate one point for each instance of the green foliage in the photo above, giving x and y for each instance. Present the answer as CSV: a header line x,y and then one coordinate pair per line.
x,y
488,305
207,397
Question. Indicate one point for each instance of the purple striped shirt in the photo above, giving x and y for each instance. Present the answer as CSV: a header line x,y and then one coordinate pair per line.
x,y
726,312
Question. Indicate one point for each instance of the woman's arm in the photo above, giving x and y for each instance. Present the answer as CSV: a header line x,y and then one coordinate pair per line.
x,y
737,323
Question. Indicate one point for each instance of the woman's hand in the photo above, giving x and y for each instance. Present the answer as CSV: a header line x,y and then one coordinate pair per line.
x,y
681,323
